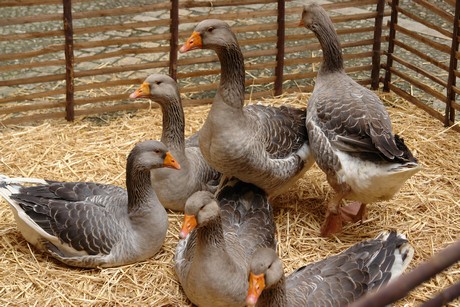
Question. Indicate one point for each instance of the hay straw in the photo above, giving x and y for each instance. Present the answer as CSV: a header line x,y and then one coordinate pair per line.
x,y
427,209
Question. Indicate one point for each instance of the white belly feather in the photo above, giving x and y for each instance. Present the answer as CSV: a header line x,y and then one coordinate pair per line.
x,y
370,181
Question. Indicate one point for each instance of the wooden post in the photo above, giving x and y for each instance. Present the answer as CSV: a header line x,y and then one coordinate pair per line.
x,y
280,49
449,118
376,48
173,44
69,60
391,44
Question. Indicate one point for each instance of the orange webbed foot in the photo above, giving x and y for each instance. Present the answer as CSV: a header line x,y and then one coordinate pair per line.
x,y
353,212
332,224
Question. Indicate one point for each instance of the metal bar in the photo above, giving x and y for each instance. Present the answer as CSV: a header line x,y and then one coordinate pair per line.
x,y
451,81
279,69
391,44
376,48
173,43
69,60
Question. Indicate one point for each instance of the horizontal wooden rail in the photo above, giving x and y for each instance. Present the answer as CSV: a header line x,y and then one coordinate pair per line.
x,y
421,71
88,14
423,39
421,55
435,9
432,112
424,22
31,54
13,3
197,4
316,46
359,51
426,88
31,35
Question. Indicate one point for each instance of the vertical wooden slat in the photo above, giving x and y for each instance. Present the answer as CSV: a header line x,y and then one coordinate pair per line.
x,y
376,48
280,48
451,81
173,44
69,60
391,44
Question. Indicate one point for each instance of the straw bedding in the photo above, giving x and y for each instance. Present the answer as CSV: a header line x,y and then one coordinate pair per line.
x,y
427,209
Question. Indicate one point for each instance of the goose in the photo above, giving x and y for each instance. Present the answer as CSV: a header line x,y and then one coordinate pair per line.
x,y
174,187
219,235
350,134
88,224
263,145
334,281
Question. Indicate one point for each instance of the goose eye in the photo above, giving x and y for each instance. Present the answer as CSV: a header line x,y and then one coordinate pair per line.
x,y
157,151
157,82
210,29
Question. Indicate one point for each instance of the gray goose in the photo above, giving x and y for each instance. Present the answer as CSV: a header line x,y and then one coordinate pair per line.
x,y
335,281
174,187
88,224
263,145
221,233
350,133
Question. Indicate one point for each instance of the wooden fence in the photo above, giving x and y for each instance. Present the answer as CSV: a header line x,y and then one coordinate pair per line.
x,y
71,58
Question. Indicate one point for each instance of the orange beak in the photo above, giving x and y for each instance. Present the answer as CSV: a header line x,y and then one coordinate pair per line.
x,y
256,286
142,92
170,162
194,42
188,225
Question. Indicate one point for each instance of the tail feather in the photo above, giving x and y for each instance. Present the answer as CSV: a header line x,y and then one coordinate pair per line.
x,y
396,254
9,186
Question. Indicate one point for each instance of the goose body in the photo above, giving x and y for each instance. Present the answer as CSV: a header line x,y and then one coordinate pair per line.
x,y
263,145
174,187
212,260
88,224
350,133
335,281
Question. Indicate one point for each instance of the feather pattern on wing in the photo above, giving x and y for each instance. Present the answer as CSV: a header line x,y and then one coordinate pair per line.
x,y
337,280
88,224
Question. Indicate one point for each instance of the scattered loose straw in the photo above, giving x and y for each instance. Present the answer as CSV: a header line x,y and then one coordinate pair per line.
x,y
427,209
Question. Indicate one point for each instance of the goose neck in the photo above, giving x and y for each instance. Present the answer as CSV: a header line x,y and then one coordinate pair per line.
x,y
232,79
332,51
212,233
139,188
275,295
173,133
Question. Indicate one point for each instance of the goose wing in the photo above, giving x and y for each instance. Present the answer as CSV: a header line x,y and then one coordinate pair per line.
x,y
282,128
245,211
85,225
340,279
356,120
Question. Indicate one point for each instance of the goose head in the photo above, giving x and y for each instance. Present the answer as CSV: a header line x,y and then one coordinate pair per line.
x,y
160,88
200,208
152,154
314,17
266,270
210,34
